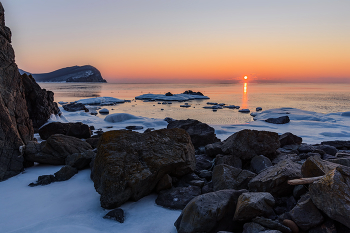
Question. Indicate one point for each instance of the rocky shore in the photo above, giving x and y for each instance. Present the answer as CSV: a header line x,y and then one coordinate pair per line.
x,y
254,181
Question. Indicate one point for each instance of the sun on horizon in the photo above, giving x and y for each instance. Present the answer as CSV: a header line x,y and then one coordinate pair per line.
x,y
245,77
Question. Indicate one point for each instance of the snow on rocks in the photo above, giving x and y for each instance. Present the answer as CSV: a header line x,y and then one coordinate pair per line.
x,y
175,97
62,102
101,101
104,111
120,117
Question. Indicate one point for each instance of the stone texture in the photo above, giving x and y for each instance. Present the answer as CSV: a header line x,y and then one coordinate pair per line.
x,y
289,139
16,128
201,133
315,166
177,198
230,160
331,150
274,225
305,214
341,161
259,163
331,194
247,144
205,212
274,179
278,120
213,149
327,227
227,177
252,227
164,183
116,214
78,130
291,225
251,205
65,173
203,162
80,160
40,103
55,149
73,107
128,164
340,145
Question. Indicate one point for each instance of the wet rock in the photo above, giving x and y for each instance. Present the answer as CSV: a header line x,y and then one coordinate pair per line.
x,y
201,133
283,157
227,177
56,148
177,198
259,163
278,120
253,227
74,107
340,145
247,144
78,130
164,183
274,225
290,139
305,214
80,160
43,180
230,160
116,214
213,149
65,173
315,166
206,212
129,165
251,205
274,179
331,194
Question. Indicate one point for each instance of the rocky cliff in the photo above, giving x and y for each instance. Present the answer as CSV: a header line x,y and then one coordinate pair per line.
x,y
15,125
70,74
22,103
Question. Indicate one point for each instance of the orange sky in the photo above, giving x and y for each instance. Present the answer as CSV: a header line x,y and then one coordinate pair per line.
x,y
131,41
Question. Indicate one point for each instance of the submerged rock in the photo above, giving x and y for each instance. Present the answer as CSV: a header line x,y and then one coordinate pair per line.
x,y
116,214
73,107
278,120
128,165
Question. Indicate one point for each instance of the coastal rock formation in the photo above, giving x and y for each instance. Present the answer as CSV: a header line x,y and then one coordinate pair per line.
x,y
201,133
247,144
16,128
78,130
40,103
85,73
128,165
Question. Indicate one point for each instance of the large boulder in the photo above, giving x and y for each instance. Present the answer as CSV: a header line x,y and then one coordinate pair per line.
x,y
274,179
201,133
305,214
78,130
207,212
55,149
247,144
340,145
227,177
251,205
40,103
16,128
80,160
128,164
315,166
290,139
331,194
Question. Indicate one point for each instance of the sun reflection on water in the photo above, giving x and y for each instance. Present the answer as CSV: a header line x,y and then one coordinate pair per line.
x,y
245,96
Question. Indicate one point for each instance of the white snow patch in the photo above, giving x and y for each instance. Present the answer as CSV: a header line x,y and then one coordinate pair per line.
x,y
100,101
175,97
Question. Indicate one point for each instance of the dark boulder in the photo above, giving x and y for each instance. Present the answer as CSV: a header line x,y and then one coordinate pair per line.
x,y
55,149
65,173
16,127
259,163
247,144
278,120
165,183
213,149
340,145
315,166
73,107
208,211
203,162
177,198
43,180
230,160
290,139
331,150
201,133
271,224
129,165
78,130
80,160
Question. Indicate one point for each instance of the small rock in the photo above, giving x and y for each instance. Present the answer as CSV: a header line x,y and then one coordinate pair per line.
x,y
259,163
73,107
205,174
116,214
65,173
43,180
289,223
252,227
278,120
258,109
268,223
290,139
104,111
177,198
244,110
133,127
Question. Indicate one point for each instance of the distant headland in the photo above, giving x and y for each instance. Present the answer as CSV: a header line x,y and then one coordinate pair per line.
x,y
85,73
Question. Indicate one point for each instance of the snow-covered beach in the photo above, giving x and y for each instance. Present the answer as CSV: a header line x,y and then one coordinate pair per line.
x,y
73,205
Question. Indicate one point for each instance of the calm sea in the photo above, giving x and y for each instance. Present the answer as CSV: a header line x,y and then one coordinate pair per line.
x,y
323,98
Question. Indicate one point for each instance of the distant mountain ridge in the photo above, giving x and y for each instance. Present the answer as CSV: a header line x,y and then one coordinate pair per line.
x,y
70,74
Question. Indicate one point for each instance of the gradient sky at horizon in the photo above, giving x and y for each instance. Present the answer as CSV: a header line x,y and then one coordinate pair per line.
x,y
185,40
